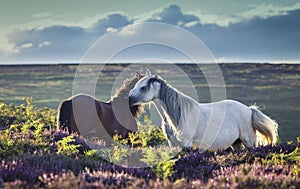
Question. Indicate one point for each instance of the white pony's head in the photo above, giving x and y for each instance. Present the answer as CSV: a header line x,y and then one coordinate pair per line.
x,y
146,90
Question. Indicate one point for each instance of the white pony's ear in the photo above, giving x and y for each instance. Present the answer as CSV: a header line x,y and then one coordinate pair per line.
x,y
148,72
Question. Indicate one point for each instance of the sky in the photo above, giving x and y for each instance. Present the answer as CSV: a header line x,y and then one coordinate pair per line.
x,y
61,31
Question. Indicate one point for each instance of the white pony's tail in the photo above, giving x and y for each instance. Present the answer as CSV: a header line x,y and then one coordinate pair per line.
x,y
266,128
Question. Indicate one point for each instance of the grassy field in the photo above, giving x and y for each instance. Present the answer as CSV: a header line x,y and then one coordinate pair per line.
x,y
274,87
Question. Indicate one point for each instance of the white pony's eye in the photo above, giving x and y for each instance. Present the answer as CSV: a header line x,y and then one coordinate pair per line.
x,y
143,88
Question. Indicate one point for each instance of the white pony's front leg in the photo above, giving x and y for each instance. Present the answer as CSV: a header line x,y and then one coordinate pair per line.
x,y
164,129
169,133
164,125
170,144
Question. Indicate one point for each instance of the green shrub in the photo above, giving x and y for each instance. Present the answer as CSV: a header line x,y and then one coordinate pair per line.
x,y
161,160
131,150
27,116
282,158
65,146
147,135
92,155
24,128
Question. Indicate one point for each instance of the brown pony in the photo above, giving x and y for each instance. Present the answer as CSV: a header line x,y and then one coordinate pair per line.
x,y
85,115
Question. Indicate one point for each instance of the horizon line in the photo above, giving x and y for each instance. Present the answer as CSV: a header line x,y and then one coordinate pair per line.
x,y
95,63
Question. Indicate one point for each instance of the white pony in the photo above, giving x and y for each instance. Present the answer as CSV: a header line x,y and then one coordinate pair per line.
x,y
186,123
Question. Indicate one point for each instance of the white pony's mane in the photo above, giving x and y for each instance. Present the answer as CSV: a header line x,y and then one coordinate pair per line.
x,y
175,102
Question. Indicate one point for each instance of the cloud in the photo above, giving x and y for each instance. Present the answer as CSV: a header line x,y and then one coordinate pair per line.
x,y
50,42
26,45
110,23
173,15
43,44
265,10
256,9
59,42
274,35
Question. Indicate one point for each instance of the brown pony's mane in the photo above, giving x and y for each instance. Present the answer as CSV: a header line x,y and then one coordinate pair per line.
x,y
122,93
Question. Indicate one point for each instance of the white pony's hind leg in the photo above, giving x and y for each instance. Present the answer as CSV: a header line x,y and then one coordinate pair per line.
x,y
247,133
249,139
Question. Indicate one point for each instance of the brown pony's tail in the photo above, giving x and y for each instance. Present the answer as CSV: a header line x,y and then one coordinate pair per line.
x,y
64,112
